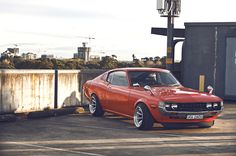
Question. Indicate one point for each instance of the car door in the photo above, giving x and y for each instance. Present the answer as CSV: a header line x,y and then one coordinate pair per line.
x,y
117,94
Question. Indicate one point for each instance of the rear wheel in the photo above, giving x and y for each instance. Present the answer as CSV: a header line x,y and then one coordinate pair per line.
x,y
94,107
206,124
143,119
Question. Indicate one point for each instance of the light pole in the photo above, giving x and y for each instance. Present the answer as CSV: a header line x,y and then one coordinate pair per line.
x,y
169,9
170,27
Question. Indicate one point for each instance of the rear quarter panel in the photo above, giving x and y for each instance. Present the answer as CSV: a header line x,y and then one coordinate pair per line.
x,y
97,87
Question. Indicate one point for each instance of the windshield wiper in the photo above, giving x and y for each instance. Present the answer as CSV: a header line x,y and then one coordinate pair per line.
x,y
175,84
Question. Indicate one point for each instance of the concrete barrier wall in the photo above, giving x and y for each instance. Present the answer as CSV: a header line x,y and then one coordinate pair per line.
x,y
68,88
34,90
26,90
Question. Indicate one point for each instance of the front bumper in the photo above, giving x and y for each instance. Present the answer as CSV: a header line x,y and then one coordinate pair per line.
x,y
183,115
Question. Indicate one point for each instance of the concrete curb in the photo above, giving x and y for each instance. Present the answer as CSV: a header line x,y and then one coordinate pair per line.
x,y
86,107
43,114
54,112
8,118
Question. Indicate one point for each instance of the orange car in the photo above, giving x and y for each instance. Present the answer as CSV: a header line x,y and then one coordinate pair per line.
x,y
149,95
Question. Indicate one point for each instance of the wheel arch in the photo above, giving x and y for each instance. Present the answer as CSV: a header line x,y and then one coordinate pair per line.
x,y
94,93
144,102
150,109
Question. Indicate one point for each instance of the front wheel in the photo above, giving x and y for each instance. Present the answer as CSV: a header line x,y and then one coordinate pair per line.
x,y
143,119
94,107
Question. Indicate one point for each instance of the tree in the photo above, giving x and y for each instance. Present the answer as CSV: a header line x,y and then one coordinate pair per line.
x,y
44,64
150,58
59,64
6,64
108,62
92,65
138,63
124,64
163,61
114,56
134,57
157,58
26,64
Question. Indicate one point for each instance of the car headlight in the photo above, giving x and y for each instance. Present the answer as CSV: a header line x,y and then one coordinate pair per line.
x,y
167,105
174,106
208,105
161,104
215,105
221,103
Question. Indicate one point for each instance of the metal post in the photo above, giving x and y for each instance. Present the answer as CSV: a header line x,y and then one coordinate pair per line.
x,y
56,88
170,27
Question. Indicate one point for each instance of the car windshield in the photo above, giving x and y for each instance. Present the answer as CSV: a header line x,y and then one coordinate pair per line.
x,y
152,78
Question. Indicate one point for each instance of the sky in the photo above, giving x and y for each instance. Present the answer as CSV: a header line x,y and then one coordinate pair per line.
x,y
120,27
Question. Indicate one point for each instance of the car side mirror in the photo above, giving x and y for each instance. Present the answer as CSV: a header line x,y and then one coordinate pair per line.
x,y
148,88
210,89
136,85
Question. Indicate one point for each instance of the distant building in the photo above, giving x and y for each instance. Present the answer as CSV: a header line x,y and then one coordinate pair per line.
x,y
29,56
83,52
94,58
145,59
76,55
44,56
15,51
10,52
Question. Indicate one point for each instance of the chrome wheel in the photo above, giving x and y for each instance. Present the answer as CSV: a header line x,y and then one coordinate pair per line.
x,y
138,116
93,105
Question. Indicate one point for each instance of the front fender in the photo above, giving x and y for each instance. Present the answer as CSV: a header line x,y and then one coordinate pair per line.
x,y
151,105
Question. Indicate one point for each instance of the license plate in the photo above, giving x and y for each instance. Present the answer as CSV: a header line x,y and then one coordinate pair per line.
x,y
191,117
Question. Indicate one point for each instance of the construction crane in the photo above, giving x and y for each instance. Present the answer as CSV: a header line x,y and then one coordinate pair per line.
x,y
89,38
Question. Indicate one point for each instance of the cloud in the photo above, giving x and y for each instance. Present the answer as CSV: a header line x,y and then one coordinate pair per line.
x,y
29,9
65,48
45,34
20,44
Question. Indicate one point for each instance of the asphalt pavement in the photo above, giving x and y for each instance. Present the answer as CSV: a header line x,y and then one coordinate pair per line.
x,y
82,134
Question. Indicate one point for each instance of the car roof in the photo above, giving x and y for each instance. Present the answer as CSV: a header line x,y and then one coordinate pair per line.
x,y
140,69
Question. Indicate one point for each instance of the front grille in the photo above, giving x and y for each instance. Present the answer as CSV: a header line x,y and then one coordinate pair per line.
x,y
191,107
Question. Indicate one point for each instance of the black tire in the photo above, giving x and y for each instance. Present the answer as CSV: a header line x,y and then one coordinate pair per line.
x,y
206,124
147,119
95,107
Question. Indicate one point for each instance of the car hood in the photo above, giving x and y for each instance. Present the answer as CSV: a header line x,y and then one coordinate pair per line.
x,y
182,94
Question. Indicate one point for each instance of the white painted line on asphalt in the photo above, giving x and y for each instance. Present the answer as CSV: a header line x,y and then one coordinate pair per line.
x,y
72,150
104,128
43,148
126,140
206,154
154,146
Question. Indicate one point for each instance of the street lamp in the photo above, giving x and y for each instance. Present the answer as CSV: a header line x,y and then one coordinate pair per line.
x,y
169,9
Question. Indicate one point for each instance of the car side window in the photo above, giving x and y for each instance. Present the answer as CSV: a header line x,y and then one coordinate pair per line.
x,y
118,78
110,77
104,77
